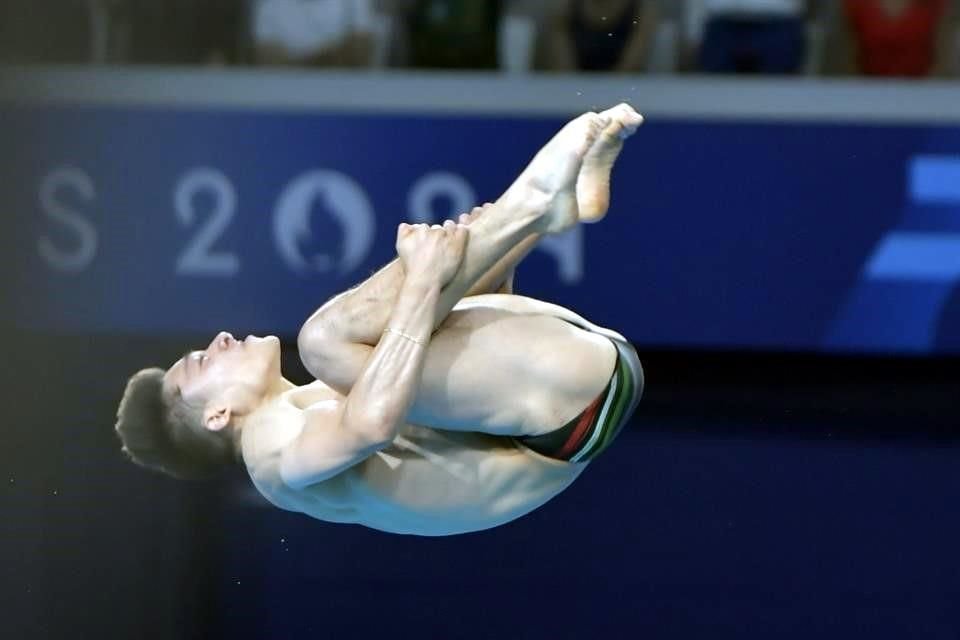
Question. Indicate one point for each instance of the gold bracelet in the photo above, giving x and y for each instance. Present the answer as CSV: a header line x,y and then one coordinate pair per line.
x,y
404,335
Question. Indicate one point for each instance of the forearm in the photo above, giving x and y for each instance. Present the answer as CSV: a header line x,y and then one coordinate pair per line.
x,y
387,385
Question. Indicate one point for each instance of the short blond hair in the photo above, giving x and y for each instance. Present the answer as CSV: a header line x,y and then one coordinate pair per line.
x,y
160,432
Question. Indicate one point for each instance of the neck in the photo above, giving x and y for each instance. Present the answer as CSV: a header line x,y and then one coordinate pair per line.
x,y
280,387
271,400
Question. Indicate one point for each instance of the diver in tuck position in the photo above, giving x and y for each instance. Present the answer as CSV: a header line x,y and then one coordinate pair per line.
x,y
439,407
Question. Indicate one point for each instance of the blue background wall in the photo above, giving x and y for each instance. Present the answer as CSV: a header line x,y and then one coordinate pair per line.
x,y
793,470
666,537
722,235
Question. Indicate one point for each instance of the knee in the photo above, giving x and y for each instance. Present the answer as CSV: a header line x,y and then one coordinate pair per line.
x,y
313,342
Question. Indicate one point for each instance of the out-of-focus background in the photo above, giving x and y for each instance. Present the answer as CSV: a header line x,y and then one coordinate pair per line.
x,y
783,248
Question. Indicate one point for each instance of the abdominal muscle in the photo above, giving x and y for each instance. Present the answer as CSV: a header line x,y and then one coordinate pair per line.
x,y
436,483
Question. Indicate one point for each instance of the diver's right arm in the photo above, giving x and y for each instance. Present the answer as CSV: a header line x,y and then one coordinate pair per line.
x,y
337,436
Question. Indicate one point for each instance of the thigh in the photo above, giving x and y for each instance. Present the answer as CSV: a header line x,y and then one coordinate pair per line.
x,y
510,371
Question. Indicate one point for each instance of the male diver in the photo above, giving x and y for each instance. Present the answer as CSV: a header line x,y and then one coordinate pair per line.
x,y
440,407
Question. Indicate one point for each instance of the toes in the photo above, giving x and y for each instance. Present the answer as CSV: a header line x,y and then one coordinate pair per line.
x,y
618,111
628,118
631,123
597,126
616,131
584,119
624,110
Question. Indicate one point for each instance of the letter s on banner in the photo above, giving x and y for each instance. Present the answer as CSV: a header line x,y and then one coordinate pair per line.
x,y
78,259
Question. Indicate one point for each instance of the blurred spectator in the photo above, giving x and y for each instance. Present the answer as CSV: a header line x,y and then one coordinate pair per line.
x,y
910,38
47,32
335,33
601,35
450,34
750,36
179,31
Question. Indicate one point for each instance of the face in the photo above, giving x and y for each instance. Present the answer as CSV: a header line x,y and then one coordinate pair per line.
x,y
229,375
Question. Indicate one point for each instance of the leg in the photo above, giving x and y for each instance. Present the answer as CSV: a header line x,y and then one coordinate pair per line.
x,y
507,365
522,212
593,193
593,184
343,332
499,279
339,338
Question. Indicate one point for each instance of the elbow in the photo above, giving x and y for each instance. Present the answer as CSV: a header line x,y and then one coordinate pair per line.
x,y
378,428
380,433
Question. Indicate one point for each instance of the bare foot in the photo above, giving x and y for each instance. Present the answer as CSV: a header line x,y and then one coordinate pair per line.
x,y
550,180
593,184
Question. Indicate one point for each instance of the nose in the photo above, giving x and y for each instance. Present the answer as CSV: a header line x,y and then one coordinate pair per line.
x,y
223,341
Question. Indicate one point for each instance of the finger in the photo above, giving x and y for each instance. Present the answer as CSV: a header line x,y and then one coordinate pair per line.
x,y
436,226
449,224
464,218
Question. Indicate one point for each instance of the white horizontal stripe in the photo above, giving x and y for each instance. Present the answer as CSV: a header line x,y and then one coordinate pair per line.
x,y
931,257
664,97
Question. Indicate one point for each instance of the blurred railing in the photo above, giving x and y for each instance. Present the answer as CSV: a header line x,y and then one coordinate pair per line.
x,y
657,96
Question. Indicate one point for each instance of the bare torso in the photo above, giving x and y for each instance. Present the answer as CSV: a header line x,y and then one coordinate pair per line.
x,y
430,481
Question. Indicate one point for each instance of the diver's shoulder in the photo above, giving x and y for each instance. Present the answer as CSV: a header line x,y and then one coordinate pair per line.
x,y
265,477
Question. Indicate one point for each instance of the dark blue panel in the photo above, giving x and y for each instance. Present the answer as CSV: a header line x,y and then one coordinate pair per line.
x,y
721,234
678,537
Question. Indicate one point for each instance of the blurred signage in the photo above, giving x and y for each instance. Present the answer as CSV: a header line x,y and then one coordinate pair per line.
x,y
721,235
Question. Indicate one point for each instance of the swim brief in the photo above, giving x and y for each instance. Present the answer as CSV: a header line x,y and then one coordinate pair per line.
x,y
590,433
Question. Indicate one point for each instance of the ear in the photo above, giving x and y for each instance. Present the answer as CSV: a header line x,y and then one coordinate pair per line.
x,y
217,417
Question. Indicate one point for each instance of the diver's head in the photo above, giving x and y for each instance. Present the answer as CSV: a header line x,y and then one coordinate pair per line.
x,y
186,420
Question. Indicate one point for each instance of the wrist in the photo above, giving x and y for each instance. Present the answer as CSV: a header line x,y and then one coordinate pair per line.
x,y
422,282
406,336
